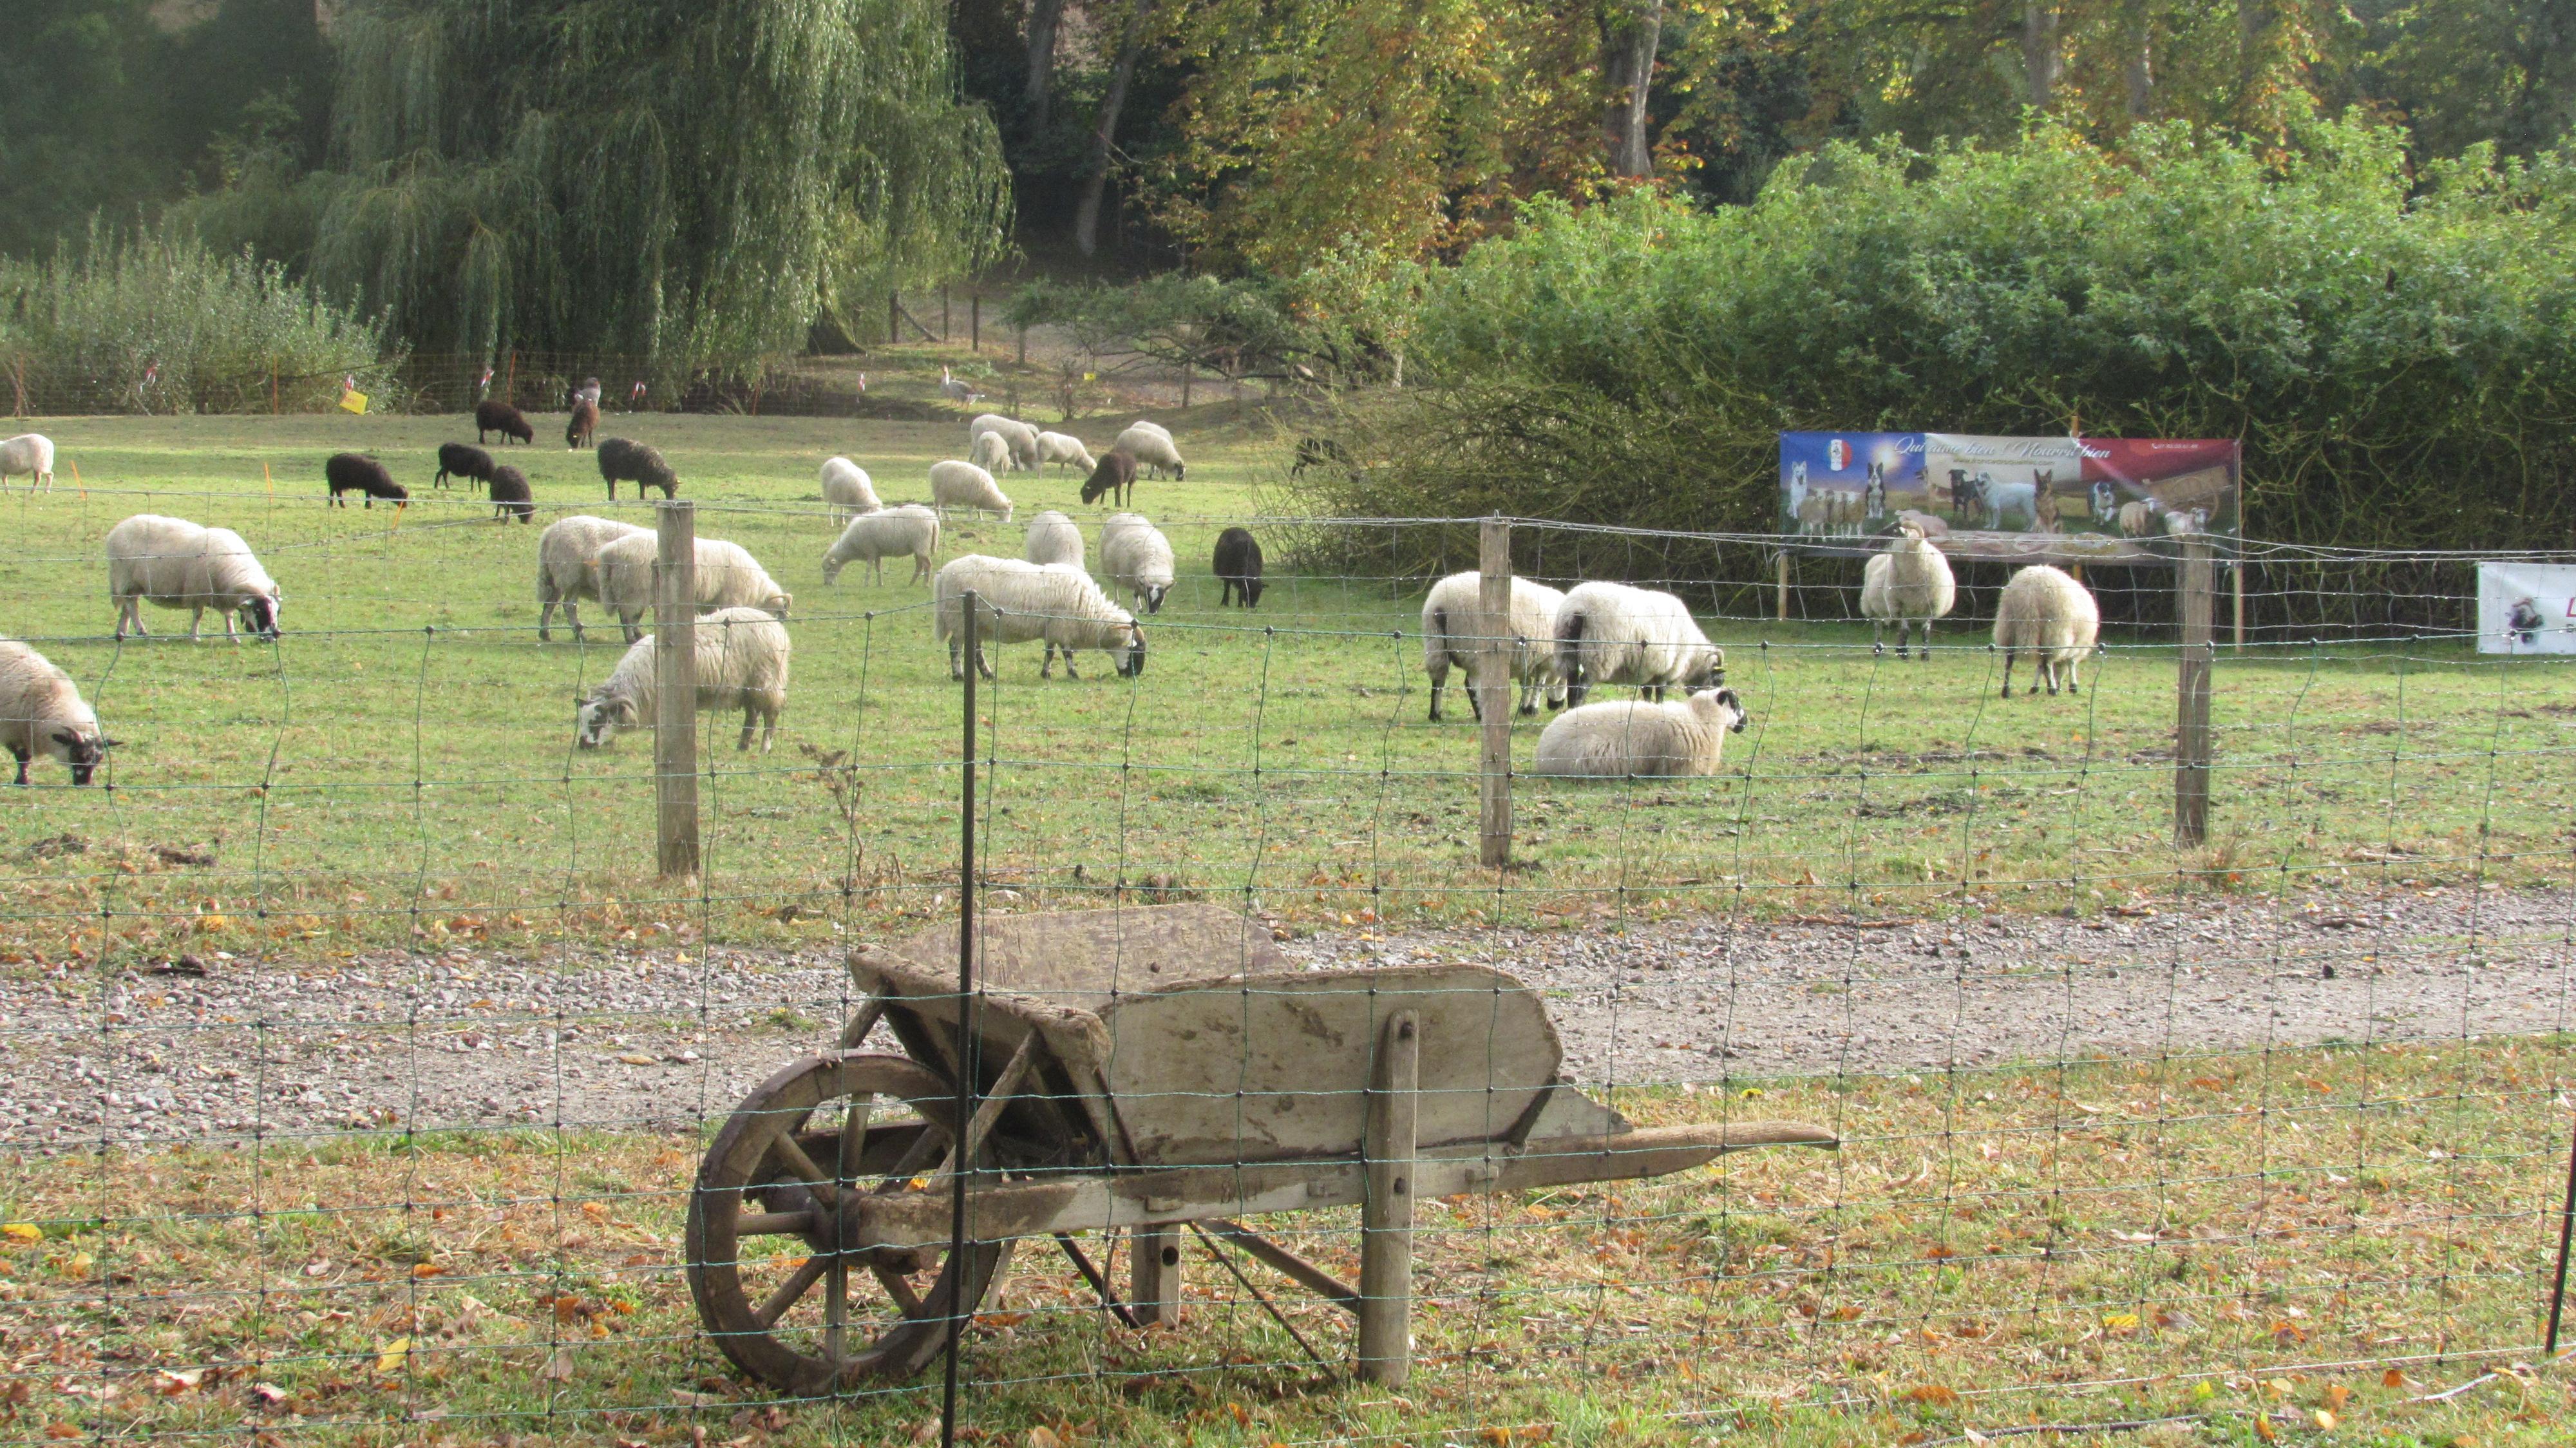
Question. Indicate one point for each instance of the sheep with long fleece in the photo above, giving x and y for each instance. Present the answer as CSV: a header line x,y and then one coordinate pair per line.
x,y
2141,518
1611,633
726,577
741,657
847,489
875,537
1138,558
1642,740
1054,539
1064,449
990,451
1019,601
955,484
1152,448
31,453
567,553
2051,617
1449,636
173,563
1019,440
1909,584
42,712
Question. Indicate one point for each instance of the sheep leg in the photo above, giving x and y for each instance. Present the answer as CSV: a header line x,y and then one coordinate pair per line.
x,y
1046,659
1927,640
956,670
1878,638
21,753
750,713
545,615
1439,678
1529,697
983,665
572,615
2008,663
2072,666
196,623
1068,663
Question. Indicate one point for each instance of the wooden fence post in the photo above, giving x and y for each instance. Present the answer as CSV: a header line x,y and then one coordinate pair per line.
x,y
2191,686
975,322
1492,682
675,688
1386,1205
1154,1276
2236,573
1784,585
894,315
943,312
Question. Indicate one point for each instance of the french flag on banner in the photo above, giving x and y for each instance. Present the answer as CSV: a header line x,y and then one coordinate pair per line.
x,y
1838,455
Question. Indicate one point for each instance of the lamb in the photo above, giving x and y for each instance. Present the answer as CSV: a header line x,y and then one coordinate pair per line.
x,y
1137,557
359,473
583,425
2050,616
1639,740
1019,439
510,495
1061,448
1610,633
955,484
1450,636
847,490
990,451
1910,583
741,657
42,712
1054,539
1238,567
621,459
567,554
492,415
1152,448
1020,601
462,460
957,389
726,577
1115,475
174,563
2138,519
31,453
872,538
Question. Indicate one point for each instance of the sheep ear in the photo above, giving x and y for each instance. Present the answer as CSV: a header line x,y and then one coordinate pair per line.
x,y
66,738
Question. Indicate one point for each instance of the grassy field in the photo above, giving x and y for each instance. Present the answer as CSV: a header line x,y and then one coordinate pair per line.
x,y
2298,1247
400,764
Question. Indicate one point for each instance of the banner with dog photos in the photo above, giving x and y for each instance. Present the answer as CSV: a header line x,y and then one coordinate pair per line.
x,y
2021,499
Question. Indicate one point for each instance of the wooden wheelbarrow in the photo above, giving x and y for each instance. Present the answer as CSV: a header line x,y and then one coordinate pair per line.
x,y
1136,1069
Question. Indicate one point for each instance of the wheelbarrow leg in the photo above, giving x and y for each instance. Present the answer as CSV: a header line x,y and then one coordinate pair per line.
x,y
1386,1211
1155,1291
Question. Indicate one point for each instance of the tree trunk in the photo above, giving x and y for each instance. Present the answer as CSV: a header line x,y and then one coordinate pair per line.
x,y
1628,70
1095,182
2039,59
1043,15
2140,73
2254,21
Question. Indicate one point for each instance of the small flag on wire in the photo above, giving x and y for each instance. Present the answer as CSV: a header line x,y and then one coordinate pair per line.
x,y
484,387
636,397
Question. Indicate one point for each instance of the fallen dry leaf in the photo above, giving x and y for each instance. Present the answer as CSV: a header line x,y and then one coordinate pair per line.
x,y
390,1359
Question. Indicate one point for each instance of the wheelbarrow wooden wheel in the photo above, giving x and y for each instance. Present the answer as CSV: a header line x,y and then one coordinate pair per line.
x,y
781,1280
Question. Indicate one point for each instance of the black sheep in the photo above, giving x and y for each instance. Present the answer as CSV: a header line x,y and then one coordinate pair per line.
x,y
584,423
1238,566
1316,452
491,416
636,463
358,473
463,460
510,495
1115,475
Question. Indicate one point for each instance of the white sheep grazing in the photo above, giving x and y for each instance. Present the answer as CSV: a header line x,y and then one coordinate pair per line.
x,y
1638,739
42,712
990,451
1449,636
964,485
1138,558
1054,539
873,538
174,563
847,489
1019,440
2051,617
565,575
1062,449
2138,519
741,659
31,453
726,576
1610,633
1151,447
1908,584
1020,601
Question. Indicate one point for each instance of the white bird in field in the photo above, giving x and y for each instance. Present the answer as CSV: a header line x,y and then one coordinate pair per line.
x,y
958,391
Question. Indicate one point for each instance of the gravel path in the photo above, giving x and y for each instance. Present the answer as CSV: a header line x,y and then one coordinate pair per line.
x,y
482,1039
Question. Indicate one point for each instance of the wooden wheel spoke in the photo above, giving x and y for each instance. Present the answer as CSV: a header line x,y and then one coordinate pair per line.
x,y
798,1283
809,1175
931,1141
899,1288
773,1224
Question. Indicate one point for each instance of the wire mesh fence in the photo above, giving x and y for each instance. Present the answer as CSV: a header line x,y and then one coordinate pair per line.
x,y
363,1070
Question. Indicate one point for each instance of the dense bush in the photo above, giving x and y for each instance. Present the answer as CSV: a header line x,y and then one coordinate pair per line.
x,y
85,330
2397,352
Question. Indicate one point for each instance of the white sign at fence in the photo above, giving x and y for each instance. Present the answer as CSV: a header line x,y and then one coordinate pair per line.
x,y
2527,608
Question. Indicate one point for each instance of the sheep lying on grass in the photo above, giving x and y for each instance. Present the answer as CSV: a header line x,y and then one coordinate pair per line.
x,y
1610,633
173,563
42,712
567,559
1020,601
1909,584
1449,637
2051,617
1642,740
741,658
872,538
726,576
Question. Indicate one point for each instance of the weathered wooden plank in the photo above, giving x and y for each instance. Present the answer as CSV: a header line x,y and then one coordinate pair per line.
x,y
1386,1205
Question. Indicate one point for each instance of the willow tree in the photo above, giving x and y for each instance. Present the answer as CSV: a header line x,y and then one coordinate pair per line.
x,y
698,180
